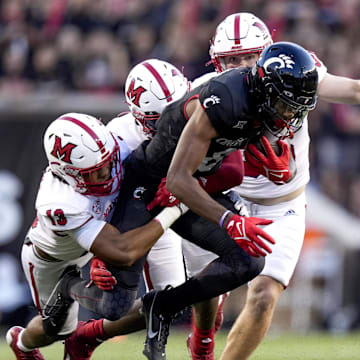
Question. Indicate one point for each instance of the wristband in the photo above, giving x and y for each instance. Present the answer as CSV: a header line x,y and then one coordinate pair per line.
x,y
168,216
224,215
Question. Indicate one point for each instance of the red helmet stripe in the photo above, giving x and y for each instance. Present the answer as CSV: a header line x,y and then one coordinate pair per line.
x,y
87,129
237,29
260,26
159,80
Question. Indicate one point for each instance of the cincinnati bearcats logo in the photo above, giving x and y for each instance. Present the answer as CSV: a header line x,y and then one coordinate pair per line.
x,y
210,101
282,61
139,192
134,94
62,153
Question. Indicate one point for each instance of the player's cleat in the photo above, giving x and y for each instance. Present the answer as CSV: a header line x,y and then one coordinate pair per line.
x,y
80,346
157,326
57,306
202,349
12,337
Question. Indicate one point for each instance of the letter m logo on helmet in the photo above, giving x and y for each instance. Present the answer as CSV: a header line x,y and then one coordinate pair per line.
x,y
134,94
62,153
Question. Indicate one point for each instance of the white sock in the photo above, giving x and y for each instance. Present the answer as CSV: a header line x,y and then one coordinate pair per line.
x,y
20,344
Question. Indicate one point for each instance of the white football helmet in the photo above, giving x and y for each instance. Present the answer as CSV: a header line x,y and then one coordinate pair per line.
x,y
240,33
150,86
77,146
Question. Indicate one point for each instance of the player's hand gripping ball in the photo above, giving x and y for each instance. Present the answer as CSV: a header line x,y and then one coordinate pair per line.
x,y
272,157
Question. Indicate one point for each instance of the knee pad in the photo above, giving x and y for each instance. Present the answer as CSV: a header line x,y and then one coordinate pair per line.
x,y
128,277
116,303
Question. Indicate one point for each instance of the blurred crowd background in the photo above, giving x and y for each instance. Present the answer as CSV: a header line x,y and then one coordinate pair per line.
x,y
72,47
56,46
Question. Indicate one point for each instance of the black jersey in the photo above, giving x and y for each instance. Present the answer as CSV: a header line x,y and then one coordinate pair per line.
x,y
147,164
226,101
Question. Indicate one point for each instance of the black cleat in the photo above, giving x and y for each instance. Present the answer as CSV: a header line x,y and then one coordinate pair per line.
x,y
157,326
57,306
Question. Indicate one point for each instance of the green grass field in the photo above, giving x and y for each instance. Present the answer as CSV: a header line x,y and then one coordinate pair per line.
x,y
289,347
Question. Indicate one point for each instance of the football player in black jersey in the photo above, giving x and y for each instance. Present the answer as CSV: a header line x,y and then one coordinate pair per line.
x,y
193,136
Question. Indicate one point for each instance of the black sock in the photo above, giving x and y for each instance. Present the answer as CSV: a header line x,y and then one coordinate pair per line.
x,y
220,276
173,300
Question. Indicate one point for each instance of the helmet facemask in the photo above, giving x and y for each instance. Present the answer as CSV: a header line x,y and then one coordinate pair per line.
x,y
146,121
220,63
87,180
281,115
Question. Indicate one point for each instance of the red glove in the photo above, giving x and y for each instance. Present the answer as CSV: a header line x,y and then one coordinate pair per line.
x,y
99,274
247,234
163,197
275,168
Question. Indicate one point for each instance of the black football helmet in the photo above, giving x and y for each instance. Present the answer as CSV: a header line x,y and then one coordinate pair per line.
x,y
284,82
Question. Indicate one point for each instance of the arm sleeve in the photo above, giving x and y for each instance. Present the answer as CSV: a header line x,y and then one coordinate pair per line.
x,y
216,100
86,234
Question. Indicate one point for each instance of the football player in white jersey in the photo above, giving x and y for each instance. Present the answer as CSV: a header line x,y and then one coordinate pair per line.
x,y
76,197
238,42
150,86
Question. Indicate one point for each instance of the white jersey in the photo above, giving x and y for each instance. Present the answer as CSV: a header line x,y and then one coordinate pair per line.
x,y
262,187
202,79
126,127
68,222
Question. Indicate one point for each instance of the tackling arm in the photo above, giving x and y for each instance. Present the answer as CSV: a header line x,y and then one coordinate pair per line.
x,y
340,90
123,249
